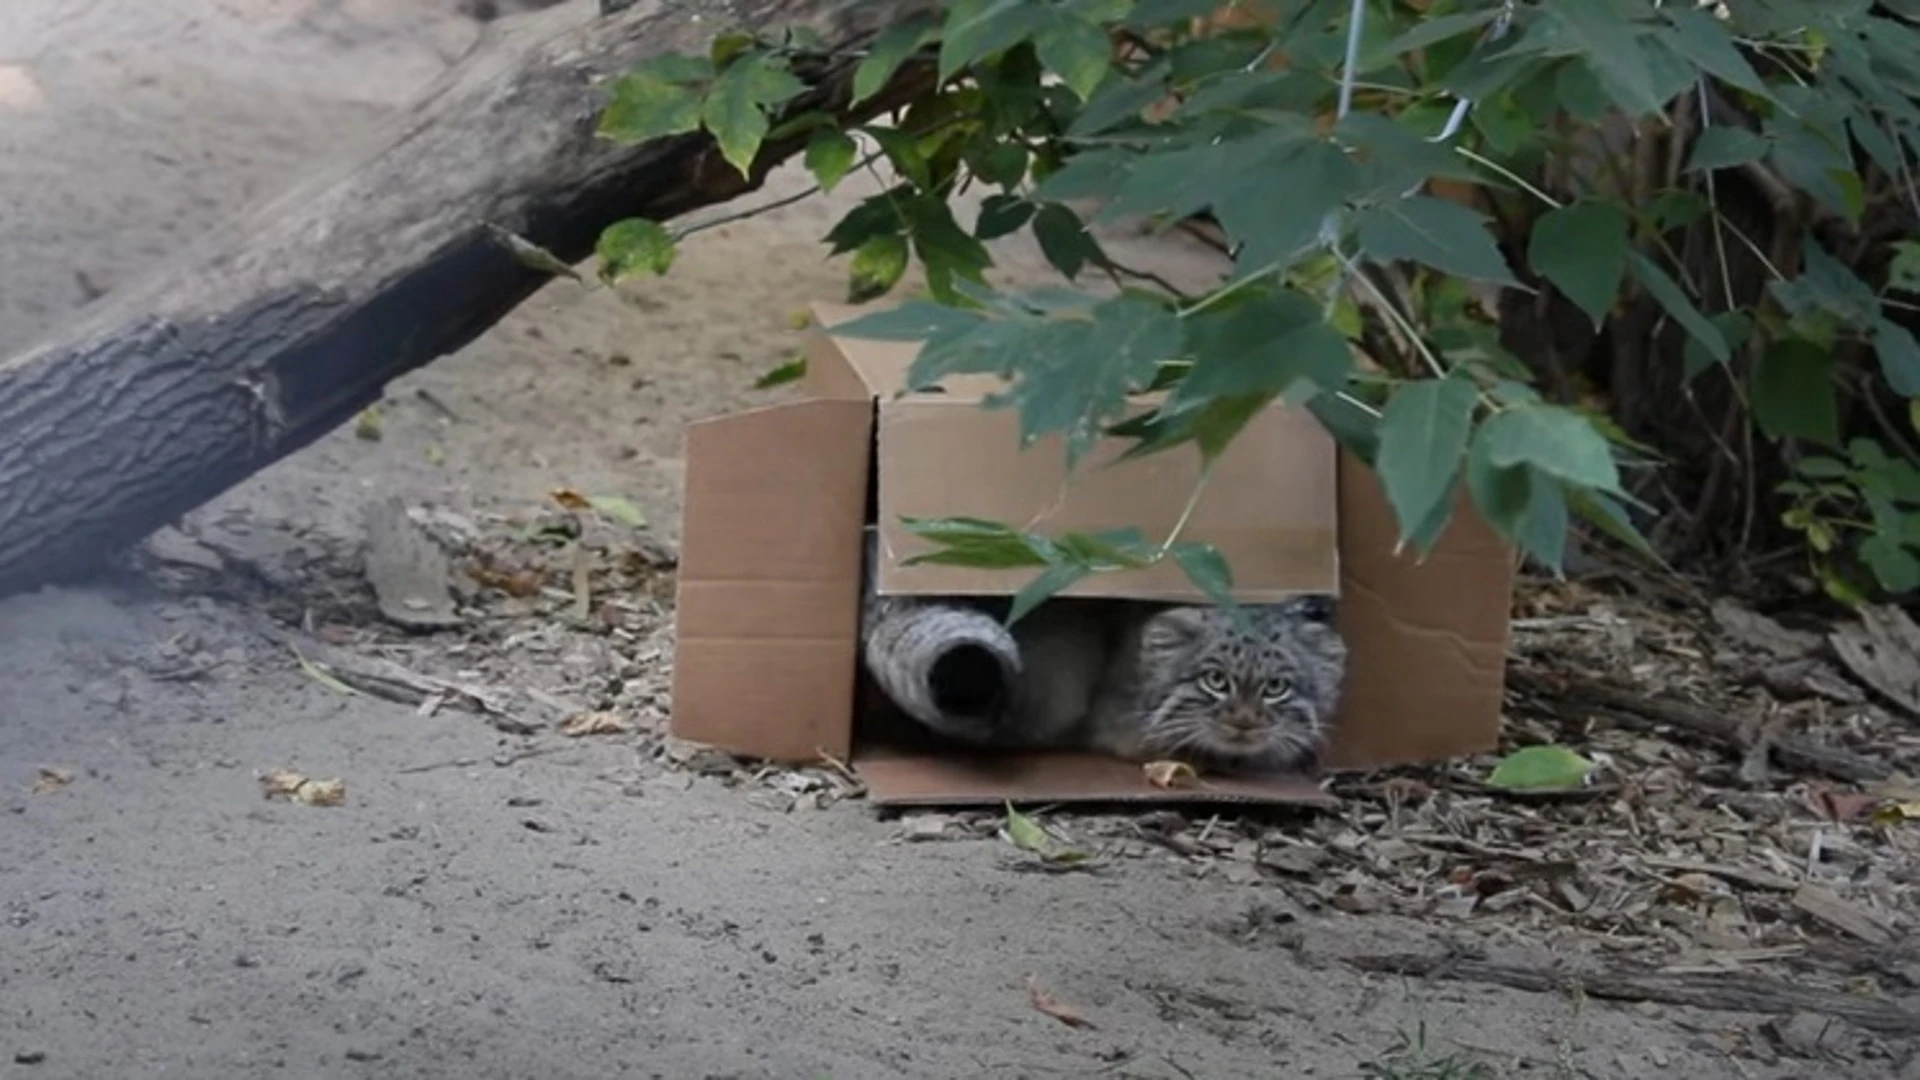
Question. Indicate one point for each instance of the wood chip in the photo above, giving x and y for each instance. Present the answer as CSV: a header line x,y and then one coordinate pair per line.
x,y
1047,1003
49,779
603,722
1825,907
1883,651
1757,631
1739,875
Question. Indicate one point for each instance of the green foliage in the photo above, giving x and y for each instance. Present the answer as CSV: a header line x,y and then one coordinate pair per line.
x,y
1063,560
1342,242
634,245
1860,514
1540,768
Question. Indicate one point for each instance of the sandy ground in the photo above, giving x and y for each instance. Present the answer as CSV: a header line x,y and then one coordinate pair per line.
x,y
495,906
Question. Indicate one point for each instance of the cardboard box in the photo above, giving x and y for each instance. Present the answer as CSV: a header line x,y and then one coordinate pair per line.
x,y
777,499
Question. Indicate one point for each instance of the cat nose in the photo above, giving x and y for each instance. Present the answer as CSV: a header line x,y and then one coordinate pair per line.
x,y
1243,721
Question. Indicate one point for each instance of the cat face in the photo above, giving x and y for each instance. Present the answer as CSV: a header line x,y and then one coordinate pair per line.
x,y
1253,698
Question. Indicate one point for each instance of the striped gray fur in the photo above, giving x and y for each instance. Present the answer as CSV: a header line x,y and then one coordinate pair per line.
x,y
1136,679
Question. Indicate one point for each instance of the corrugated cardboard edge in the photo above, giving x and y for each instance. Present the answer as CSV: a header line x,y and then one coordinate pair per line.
x,y
1427,639
968,780
768,606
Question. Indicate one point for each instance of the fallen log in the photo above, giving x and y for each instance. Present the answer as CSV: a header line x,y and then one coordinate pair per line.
x,y
288,323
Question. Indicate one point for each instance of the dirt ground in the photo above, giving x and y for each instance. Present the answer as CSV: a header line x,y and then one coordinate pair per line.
x,y
498,905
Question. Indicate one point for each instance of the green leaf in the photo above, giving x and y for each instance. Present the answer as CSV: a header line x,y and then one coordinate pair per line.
x,y
1582,249
1669,296
1436,232
1207,569
1553,439
1353,427
1043,588
1734,327
1028,835
1211,424
1610,517
1423,432
1725,147
1542,529
619,510
915,320
1608,43
1002,215
977,29
972,542
1064,240
870,217
634,245
735,109
1263,346
1318,178
727,47
1823,468
1499,493
878,265
1432,31
948,253
1893,565
1080,379
1792,393
1827,285
1899,357
1540,768
1700,38
686,69
1903,273
531,255
830,156
1112,549
792,371
1005,165
646,107
1076,50
891,49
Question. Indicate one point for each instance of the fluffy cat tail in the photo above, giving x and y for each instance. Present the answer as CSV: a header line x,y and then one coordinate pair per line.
x,y
950,667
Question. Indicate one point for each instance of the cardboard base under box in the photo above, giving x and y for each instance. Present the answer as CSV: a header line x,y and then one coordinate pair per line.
x,y
894,778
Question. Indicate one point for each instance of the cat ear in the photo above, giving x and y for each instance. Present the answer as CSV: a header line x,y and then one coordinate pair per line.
x,y
1314,607
1174,629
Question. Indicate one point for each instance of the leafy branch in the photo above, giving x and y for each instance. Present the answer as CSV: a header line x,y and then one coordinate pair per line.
x,y
1493,245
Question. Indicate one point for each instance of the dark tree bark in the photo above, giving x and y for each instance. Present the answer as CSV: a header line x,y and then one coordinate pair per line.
x,y
290,321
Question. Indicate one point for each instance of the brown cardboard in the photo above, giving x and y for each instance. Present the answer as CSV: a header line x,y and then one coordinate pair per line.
x,y
766,662
941,455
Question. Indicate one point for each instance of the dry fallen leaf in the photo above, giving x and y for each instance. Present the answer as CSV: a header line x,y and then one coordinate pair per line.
x,y
367,424
51,779
1047,1003
571,499
1895,813
287,784
1170,774
593,723
518,583
1843,806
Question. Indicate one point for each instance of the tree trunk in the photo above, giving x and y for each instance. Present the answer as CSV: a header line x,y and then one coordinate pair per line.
x,y
288,323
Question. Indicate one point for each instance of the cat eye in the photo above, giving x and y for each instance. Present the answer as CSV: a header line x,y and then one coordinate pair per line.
x,y
1276,691
1214,682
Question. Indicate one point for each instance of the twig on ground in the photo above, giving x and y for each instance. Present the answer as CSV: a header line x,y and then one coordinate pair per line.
x,y
1729,991
1639,709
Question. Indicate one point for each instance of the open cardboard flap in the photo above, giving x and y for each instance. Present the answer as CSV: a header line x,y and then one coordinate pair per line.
x,y
769,588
